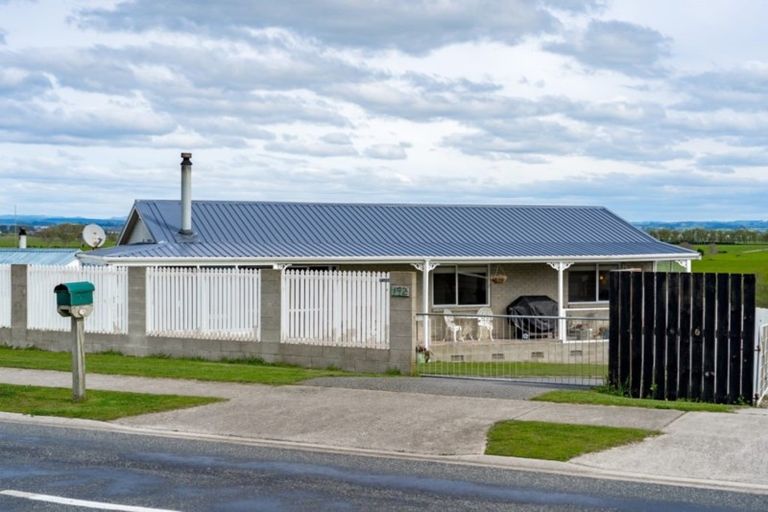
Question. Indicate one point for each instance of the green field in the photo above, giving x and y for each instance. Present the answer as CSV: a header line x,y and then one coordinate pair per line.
x,y
738,259
37,242
732,259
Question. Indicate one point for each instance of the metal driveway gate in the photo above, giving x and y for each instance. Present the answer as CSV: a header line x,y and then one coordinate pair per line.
x,y
548,349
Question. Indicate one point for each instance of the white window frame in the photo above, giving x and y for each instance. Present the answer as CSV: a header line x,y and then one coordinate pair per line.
x,y
581,268
456,285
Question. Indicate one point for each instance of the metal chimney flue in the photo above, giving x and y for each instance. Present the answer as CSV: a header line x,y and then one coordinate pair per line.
x,y
186,194
22,238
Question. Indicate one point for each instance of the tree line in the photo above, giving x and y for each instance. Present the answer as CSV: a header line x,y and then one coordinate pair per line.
x,y
709,236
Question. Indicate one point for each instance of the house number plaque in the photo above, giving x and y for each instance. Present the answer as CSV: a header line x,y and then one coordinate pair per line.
x,y
400,291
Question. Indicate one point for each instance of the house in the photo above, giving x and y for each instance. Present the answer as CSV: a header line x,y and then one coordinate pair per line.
x,y
467,256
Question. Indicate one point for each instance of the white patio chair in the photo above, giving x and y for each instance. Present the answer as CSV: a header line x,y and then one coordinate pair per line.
x,y
450,325
484,322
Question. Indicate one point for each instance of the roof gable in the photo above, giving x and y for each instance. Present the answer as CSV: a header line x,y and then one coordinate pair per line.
x,y
135,229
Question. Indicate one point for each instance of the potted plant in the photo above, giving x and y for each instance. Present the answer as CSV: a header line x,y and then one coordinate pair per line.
x,y
498,276
423,354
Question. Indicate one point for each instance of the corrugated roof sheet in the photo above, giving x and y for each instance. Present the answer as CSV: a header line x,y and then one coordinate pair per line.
x,y
37,256
230,229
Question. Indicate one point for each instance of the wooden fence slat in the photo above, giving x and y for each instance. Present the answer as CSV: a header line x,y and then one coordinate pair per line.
x,y
649,325
684,375
710,295
659,347
748,340
673,319
734,340
614,306
636,334
721,351
624,328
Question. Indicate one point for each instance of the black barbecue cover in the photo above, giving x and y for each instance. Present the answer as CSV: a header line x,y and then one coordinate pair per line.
x,y
533,306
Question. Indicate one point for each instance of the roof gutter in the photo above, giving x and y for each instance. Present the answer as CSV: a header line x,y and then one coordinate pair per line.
x,y
222,261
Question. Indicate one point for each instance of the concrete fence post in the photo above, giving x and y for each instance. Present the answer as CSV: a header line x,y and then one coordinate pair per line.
x,y
402,324
271,319
137,307
19,305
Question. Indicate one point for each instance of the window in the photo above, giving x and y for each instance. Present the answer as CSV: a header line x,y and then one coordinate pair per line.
x,y
460,286
588,283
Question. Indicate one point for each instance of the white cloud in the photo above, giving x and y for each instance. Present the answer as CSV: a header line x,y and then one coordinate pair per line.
x,y
414,26
618,46
445,101
386,152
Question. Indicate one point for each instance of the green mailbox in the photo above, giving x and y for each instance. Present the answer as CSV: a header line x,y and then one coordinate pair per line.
x,y
74,294
74,299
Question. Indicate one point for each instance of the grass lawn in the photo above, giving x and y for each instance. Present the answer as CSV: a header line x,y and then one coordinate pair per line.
x,y
513,369
249,371
99,405
556,441
738,259
596,397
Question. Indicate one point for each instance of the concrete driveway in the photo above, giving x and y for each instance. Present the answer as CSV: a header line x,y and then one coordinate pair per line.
x,y
709,446
395,421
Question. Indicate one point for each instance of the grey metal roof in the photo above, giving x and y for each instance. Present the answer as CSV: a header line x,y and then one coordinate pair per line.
x,y
233,229
37,256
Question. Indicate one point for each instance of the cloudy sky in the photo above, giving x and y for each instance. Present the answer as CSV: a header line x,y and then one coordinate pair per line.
x,y
656,109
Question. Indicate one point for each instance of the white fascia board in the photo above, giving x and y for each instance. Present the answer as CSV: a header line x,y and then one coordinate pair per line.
x,y
222,261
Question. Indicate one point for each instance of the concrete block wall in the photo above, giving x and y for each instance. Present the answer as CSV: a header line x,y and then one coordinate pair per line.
x,y
400,356
522,279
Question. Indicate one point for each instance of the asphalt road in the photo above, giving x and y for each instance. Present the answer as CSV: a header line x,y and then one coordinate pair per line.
x,y
174,474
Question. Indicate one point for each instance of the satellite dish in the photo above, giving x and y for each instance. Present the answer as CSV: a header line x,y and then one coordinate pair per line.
x,y
94,235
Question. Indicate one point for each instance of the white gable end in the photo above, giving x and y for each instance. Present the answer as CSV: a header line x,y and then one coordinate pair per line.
x,y
139,234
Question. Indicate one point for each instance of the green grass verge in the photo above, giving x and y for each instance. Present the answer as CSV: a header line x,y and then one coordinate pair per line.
x,y
509,369
556,441
247,371
99,405
597,397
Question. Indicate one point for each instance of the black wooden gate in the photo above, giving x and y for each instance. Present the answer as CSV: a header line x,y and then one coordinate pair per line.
x,y
686,336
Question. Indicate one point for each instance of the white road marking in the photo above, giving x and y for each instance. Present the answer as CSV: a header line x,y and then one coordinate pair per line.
x,y
80,503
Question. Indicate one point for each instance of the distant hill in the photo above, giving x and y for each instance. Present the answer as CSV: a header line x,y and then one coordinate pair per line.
x,y
39,221
754,225
116,223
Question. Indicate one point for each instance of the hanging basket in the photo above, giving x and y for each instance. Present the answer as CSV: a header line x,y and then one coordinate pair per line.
x,y
498,277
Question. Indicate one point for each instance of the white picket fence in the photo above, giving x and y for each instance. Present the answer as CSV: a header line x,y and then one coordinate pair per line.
x,y
110,298
204,303
341,309
5,295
